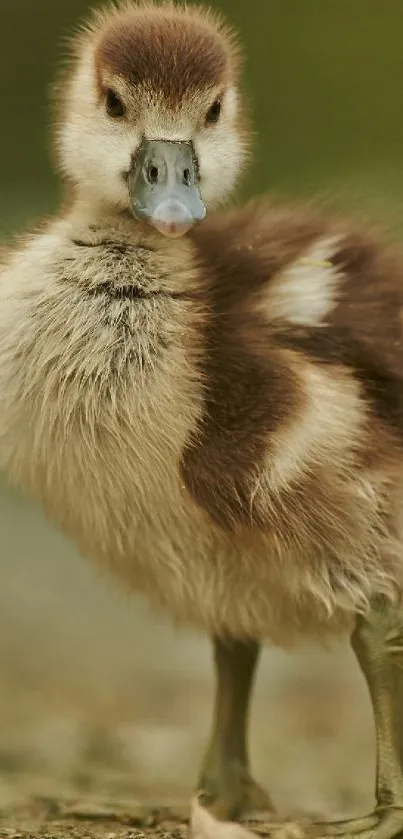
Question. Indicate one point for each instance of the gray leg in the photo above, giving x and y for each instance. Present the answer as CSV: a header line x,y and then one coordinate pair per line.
x,y
227,788
378,644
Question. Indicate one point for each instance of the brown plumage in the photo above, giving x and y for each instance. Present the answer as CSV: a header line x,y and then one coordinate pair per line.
x,y
217,418
196,51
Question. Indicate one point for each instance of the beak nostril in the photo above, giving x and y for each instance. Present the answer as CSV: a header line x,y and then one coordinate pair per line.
x,y
186,176
152,173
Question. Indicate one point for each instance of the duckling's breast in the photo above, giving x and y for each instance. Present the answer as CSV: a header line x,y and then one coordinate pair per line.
x,y
100,393
98,390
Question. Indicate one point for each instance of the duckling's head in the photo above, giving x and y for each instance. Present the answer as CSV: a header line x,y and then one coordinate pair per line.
x,y
152,120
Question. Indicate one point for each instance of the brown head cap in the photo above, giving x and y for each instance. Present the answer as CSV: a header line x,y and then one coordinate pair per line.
x,y
170,49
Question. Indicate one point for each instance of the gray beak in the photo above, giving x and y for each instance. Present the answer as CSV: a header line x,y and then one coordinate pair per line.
x,y
163,185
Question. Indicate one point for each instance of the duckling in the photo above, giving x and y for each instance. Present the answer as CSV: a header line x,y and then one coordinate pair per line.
x,y
210,407
99,376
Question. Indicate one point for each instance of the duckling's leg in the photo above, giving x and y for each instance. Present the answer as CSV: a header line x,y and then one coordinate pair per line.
x,y
378,644
227,789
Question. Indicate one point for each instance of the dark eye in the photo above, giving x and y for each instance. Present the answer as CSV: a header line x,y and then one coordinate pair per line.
x,y
114,104
213,113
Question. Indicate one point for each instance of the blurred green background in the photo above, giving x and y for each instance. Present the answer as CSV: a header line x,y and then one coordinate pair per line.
x,y
97,697
323,78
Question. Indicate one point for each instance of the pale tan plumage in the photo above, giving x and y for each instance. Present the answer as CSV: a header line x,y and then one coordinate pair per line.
x,y
217,418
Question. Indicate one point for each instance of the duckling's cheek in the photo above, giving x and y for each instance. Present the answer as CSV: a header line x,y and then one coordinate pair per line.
x,y
221,158
97,154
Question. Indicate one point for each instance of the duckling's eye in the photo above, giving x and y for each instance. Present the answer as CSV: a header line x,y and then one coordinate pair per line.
x,y
114,104
213,113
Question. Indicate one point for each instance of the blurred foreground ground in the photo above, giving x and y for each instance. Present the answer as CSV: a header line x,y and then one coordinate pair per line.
x,y
106,707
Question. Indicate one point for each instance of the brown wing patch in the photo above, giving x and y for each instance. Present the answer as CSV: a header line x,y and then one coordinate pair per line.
x,y
371,307
250,388
171,49
364,329
288,449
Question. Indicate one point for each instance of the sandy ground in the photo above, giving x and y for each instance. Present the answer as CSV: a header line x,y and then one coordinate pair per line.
x,y
105,708
35,829
67,830
40,820
40,828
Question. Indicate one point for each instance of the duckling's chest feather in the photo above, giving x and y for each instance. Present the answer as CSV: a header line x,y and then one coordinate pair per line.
x,y
99,389
144,424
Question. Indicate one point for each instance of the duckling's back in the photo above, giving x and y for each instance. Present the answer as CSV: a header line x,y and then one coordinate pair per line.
x,y
302,433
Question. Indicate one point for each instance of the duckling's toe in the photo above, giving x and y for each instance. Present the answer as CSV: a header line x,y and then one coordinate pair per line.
x,y
229,792
204,824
